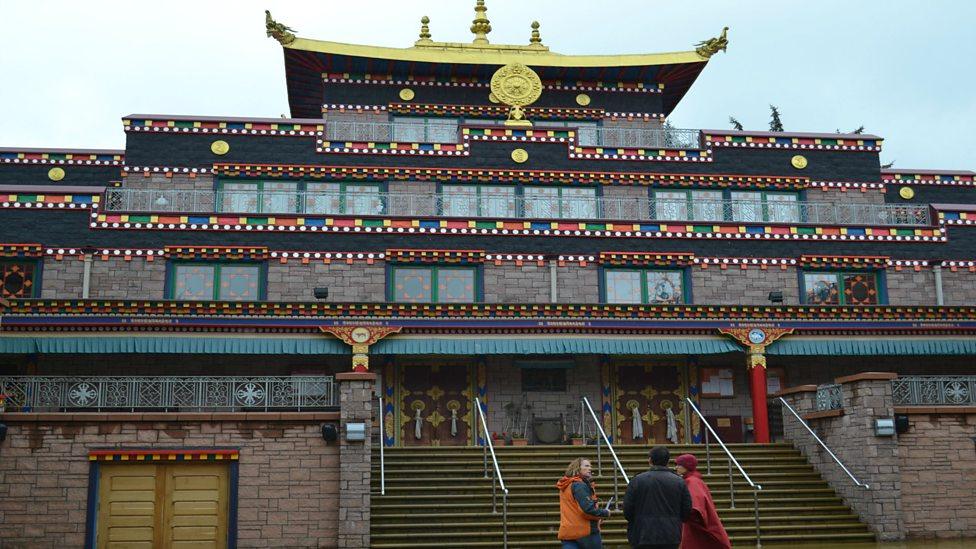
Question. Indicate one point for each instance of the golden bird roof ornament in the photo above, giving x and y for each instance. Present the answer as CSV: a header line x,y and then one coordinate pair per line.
x,y
708,48
283,34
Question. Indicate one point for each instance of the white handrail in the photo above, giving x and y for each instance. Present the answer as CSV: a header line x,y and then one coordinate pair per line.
x,y
603,434
489,446
824,445
722,444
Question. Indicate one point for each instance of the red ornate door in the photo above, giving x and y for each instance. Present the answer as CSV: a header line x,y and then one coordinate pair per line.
x,y
646,392
435,404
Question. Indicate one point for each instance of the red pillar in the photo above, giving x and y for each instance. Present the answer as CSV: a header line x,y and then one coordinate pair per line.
x,y
757,385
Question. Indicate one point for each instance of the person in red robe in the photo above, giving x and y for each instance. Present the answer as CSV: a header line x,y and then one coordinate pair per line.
x,y
703,529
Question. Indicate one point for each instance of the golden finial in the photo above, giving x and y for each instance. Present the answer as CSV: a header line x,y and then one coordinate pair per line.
x,y
708,48
481,26
424,31
536,37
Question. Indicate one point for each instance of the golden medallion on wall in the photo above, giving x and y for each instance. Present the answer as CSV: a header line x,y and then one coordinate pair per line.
x,y
799,161
56,174
582,100
907,193
520,155
492,98
220,147
407,94
516,85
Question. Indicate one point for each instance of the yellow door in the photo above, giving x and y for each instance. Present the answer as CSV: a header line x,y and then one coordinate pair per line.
x,y
168,505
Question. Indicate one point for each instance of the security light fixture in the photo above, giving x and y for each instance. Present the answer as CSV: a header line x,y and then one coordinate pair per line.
x,y
321,293
776,296
330,433
355,432
884,427
3,432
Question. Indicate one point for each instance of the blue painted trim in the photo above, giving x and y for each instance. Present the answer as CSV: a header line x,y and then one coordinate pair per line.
x,y
91,519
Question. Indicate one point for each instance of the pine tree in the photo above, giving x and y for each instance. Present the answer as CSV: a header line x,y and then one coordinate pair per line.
x,y
775,124
888,165
736,125
858,131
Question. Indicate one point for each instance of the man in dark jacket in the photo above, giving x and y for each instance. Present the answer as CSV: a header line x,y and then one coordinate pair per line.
x,y
656,505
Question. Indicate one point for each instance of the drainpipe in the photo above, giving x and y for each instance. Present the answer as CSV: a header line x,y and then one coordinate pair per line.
x,y
553,292
939,297
86,273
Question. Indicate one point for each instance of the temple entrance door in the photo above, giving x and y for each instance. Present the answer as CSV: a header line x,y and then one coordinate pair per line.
x,y
648,391
435,404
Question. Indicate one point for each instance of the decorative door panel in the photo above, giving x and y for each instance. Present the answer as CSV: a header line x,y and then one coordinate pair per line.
x,y
646,392
435,404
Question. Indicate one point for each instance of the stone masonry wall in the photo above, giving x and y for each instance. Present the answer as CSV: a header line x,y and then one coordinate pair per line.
x,y
575,284
359,281
504,380
959,287
288,488
509,283
908,287
873,460
133,279
356,405
937,457
62,279
743,286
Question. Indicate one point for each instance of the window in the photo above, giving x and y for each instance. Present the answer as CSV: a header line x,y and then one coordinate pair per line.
x,y
838,288
17,279
654,287
762,206
560,202
478,201
675,205
544,380
410,129
217,281
435,284
297,197
586,135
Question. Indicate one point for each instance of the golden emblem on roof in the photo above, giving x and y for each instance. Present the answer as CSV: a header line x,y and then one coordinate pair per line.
x,y
516,85
283,34
708,48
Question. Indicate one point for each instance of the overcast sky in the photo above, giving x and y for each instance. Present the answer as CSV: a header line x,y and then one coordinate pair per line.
x,y
905,70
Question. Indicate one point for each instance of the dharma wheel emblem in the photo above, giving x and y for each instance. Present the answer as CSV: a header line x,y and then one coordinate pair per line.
x,y
516,86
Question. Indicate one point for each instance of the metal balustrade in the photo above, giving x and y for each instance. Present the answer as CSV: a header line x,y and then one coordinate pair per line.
x,y
664,138
934,391
403,132
168,393
495,203
829,397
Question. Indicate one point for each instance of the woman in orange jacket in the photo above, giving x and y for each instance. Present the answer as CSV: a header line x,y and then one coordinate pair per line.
x,y
579,511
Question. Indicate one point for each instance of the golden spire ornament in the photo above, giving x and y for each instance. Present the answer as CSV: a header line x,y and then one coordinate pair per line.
x,y
481,26
536,36
424,31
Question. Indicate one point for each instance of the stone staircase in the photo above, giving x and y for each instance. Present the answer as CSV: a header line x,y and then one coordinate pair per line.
x,y
438,497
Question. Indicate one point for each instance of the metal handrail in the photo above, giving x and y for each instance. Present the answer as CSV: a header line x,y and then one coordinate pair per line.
x,y
496,473
708,464
505,202
824,446
599,453
382,456
670,138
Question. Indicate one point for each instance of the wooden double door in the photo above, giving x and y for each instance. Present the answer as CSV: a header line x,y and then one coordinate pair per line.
x,y
643,393
435,402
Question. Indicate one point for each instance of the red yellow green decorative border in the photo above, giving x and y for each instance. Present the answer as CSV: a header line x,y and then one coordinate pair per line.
x,y
158,455
499,111
909,178
845,261
788,141
21,250
474,82
47,201
215,252
640,259
107,158
241,127
435,256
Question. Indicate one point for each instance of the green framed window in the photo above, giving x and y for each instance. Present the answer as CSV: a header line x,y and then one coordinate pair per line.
x,y
434,284
841,288
478,201
18,279
216,281
756,206
559,202
644,286
295,197
686,205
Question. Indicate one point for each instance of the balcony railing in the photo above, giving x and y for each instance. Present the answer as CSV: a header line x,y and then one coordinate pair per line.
x,y
403,132
665,138
934,391
510,206
165,393
829,397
